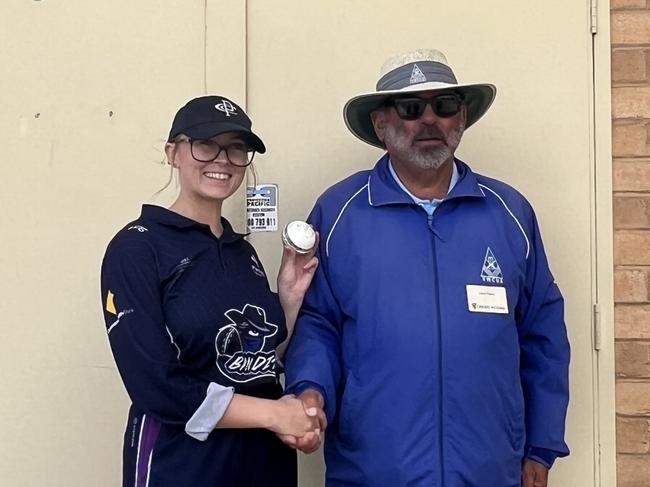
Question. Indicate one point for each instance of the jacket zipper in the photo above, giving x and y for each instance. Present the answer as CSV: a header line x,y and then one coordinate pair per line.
x,y
439,327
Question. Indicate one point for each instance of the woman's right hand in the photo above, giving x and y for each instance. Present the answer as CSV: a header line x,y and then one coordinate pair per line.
x,y
292,418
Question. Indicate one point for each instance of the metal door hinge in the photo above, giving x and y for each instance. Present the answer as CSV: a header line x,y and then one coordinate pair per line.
x,y
593,14
597,328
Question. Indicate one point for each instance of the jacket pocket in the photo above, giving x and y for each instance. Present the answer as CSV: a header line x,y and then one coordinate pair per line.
x,y
516,419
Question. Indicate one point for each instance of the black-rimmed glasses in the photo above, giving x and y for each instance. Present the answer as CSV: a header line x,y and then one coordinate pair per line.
x,y
207,150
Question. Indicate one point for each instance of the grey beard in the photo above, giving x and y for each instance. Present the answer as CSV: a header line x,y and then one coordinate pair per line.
x,y
432,158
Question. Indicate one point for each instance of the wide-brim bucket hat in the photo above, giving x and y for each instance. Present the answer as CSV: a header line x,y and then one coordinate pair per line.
x,y
418,71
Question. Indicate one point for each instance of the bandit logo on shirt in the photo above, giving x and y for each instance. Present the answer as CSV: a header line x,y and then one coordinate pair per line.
x,y
242,353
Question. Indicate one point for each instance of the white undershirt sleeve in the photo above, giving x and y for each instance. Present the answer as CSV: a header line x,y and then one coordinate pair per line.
x,y
210,412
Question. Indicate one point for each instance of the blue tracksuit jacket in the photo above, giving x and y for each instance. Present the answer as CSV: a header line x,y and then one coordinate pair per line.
x,y
438,342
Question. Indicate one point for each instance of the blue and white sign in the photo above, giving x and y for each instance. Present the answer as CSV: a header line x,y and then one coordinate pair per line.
x,y
262,208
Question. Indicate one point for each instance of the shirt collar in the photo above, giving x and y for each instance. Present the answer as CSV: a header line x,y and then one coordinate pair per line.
x,y
383,189
454,179
169,218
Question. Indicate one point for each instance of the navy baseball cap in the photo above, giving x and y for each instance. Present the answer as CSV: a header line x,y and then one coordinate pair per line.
x,y
208,116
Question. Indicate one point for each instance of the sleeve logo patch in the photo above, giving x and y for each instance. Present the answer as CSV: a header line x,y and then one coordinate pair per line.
x,y
112,309
110,303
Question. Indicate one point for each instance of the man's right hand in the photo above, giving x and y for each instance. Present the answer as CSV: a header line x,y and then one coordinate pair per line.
x,y
314,405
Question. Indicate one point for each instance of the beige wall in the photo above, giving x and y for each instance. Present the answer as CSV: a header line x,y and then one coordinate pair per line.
x,y
631,150
88,90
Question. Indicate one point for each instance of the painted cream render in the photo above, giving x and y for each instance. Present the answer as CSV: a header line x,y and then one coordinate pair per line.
x,y
88,92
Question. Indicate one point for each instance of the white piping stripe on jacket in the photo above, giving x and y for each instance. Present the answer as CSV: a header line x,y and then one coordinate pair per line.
x,y
171,338
512,215
327,242
149,467
117,321
137,458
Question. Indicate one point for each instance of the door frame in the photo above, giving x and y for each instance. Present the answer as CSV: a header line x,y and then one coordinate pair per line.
x,y
603,252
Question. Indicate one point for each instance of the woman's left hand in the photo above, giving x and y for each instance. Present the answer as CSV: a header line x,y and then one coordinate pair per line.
x,y
296,273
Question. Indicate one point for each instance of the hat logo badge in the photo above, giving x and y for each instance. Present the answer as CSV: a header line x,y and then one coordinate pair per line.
x,y
417,76
226,107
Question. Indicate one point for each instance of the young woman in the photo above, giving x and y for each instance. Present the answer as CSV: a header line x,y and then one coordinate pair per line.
x,y
194,327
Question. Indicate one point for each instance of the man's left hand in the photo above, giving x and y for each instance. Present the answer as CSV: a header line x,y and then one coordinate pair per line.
x,y
534,474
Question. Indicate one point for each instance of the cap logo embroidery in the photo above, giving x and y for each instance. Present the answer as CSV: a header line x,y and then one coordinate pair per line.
x,y
417,76
226,107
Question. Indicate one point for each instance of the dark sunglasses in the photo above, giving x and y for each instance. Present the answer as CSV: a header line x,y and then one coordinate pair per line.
x,y
412,108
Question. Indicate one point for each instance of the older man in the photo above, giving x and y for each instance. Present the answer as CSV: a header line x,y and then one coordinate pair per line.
x,y
433,335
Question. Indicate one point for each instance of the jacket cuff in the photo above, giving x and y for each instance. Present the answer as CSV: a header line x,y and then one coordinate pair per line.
x,y
542,455
302,386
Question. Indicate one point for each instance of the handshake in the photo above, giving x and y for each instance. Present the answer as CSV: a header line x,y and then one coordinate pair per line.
x,y
300,421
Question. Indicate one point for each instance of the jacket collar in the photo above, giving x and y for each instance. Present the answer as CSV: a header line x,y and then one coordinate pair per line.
x,y
384,190
168,218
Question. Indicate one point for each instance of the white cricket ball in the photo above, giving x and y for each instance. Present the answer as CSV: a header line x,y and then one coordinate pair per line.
x,y
299,236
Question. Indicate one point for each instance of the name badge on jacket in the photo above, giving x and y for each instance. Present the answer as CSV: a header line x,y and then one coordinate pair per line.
x,y
487,299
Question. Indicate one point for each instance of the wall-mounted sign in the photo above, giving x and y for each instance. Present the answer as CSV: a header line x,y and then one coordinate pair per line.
x,y
262,208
